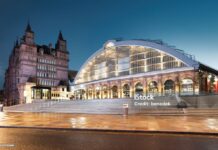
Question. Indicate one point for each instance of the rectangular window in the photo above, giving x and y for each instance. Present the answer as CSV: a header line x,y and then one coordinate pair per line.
x,y
123,64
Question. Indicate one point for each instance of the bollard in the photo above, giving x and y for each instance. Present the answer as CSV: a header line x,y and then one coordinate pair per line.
x,y
125,109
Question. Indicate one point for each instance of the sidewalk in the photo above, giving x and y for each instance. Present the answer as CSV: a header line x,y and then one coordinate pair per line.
x,y
198,124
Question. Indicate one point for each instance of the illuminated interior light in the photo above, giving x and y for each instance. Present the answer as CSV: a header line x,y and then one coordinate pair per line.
x,y
110,44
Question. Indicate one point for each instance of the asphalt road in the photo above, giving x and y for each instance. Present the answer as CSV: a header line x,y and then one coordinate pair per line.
x,y
46,139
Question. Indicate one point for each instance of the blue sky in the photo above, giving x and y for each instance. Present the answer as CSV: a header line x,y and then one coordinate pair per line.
x,y
191,25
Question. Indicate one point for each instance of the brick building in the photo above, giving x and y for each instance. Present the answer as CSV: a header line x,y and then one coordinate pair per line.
x,y
33,70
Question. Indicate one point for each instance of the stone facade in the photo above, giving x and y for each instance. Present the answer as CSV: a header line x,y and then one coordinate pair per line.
x,y
41,66
164,84
127,88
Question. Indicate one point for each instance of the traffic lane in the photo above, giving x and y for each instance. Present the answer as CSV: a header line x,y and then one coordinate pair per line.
x,y
46,139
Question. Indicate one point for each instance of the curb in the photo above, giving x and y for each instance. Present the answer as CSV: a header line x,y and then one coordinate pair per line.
x,y
117,130
130,114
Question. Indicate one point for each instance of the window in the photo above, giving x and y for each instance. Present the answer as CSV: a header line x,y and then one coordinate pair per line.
x,y
153,88
126,90
18,80
123,64
139,89
187,87
114,91
169,87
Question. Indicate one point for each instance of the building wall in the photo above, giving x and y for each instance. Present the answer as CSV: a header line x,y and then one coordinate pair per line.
x,y
25,92
103,90
60,92
24,67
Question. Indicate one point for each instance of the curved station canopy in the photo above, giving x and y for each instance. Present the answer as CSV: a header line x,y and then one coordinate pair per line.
x,y
133,58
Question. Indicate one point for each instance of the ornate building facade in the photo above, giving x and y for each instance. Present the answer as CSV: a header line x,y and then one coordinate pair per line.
x,y
122,69
34,69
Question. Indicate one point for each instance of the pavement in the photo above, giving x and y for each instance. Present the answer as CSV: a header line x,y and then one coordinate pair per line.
x,y
136,123
47,139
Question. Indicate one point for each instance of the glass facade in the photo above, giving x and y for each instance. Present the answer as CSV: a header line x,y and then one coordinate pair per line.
x,y
124,69
126,60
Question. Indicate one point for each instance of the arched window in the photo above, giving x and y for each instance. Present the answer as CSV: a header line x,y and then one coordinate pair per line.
x,y
169,87
90,93
126,90
152,88
97,93
187,87
139,89
114,91
105,92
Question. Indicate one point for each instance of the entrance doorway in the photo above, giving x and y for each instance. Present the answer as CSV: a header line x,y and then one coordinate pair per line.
x,y
126,91
139,89
169,87
114,91
41,93
187,87
152,88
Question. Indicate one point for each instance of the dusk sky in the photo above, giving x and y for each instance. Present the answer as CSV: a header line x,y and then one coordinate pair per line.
x,y
191,25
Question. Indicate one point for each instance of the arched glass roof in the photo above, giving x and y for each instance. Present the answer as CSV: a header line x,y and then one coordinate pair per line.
x,y
126,58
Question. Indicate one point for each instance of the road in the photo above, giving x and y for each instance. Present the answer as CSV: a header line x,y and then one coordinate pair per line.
x,y
48,139
205,124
